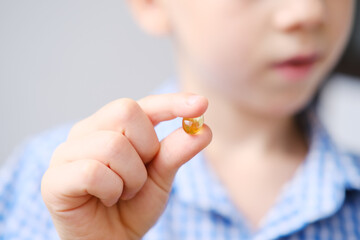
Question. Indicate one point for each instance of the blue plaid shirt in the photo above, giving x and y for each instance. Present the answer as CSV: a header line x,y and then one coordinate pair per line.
x,y
322,201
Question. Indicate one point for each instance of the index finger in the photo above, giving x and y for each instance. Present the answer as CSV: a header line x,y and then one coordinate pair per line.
x,y
169,106
136,120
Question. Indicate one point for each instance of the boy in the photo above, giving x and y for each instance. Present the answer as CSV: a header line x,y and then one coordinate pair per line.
x,y
269,172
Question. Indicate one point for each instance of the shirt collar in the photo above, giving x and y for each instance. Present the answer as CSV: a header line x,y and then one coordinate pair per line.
x,y
197,186
316,191
318,188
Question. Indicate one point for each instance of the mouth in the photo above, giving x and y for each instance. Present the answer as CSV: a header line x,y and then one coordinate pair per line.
x,y
298,67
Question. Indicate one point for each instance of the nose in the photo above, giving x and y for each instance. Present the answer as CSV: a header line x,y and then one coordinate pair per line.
x,y
300,14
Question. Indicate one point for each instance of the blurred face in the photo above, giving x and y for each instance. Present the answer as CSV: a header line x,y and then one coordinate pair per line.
x,y
267,55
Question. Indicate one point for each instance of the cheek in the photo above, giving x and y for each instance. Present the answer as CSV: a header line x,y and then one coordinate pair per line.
x,y
217,44
225,58
226,63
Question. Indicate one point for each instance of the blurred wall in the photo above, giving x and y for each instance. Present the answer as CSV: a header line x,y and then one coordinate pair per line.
x,y
62,60
339,110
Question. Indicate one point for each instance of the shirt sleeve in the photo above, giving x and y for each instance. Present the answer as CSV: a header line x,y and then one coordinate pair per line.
x,y
23,215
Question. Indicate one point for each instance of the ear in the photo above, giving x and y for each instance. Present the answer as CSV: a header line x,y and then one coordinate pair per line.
x,y
151,15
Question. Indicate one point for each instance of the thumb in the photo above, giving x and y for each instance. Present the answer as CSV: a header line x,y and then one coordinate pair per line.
x,y
175,150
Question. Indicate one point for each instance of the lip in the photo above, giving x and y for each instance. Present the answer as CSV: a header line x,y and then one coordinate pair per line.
x,y
298,67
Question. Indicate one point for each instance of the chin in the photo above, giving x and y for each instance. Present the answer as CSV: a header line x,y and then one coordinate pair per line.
x,y
281,108
289,108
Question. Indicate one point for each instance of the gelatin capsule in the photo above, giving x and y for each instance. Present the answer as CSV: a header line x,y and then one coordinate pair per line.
x,y
192,125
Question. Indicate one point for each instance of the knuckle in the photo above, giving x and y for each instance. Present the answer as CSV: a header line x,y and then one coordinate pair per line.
x,y
90,173
59,149
114,144
134,185
128,109
58,154
77,129
141,179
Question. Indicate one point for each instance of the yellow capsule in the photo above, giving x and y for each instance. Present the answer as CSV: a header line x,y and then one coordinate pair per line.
x,y
192,125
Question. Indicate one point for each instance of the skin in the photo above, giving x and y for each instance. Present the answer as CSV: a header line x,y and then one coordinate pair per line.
x,y
118,175
226,52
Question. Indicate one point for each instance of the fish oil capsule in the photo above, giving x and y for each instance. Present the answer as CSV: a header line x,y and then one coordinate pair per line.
x,y
192,125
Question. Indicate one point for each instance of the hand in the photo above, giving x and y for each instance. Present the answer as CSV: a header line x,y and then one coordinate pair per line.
x,y
112,177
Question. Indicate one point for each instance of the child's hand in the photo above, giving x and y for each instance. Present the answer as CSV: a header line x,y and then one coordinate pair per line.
x,y
111,178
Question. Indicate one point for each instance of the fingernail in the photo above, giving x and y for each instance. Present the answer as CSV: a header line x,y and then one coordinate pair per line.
x,y
193,99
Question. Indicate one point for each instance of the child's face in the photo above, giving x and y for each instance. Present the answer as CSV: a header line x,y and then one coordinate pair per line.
x,y
269,55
